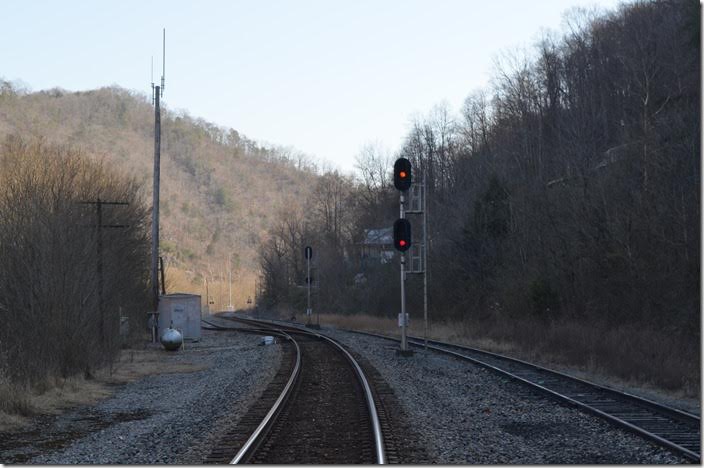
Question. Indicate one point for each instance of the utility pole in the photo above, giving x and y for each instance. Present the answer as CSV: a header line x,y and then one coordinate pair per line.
x,y
163,276
99,254
155,199
157,93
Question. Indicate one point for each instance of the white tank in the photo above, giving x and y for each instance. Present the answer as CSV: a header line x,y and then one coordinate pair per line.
x,y
172,339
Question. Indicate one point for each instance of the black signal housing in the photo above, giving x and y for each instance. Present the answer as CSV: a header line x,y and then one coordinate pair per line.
x,y
402,174
402,234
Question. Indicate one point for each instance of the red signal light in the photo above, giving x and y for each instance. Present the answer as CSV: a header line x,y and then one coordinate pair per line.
x,y
402,174
402,234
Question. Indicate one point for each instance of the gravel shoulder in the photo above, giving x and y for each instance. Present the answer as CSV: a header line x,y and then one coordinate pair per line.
x,y
460,413
468,415
164,418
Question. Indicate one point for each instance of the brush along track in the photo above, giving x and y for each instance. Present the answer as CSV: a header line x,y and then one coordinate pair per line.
x,y
668,427
328,416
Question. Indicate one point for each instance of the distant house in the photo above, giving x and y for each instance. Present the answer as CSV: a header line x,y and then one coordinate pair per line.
x,y
378,245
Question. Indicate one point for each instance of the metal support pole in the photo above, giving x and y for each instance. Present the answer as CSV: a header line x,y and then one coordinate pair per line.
x,y
404,344
425,259
308,310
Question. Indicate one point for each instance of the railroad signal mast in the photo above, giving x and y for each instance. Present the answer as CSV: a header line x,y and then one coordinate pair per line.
x,y
308,254
402,241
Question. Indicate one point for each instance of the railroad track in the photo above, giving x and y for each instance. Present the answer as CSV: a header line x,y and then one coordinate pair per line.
x,y
318,409
669,427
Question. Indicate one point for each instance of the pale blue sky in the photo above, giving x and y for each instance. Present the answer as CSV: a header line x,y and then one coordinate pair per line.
x,y
325,77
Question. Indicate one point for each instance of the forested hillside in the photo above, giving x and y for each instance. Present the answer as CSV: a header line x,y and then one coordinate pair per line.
x,y
564,200
564,204
220,191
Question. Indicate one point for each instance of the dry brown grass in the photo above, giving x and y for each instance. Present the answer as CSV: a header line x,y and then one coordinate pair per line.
x,y
451,332
363,322
624,356
19,404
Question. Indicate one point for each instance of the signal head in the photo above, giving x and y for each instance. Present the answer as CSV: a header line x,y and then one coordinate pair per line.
x,y
402,235
402,174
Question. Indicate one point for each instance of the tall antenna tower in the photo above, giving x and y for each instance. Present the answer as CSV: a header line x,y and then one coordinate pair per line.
x,y
163,70
157,93
152,80
163,62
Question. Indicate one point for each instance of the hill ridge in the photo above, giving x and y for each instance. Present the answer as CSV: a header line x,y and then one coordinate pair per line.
x,y
220,191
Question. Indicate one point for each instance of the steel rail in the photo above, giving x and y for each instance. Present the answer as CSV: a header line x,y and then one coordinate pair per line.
x,y
673,412
263,427
270,417
368,395
621,422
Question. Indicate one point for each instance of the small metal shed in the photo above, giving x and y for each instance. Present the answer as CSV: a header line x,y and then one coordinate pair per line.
x,y
182,312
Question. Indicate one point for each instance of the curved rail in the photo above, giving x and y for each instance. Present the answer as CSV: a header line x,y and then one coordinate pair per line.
x,y
253,440
611,411
368,395
376,425
273,412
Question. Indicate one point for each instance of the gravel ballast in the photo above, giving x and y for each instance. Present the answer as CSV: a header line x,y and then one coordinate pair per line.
x,y
172,418
459,412
469,415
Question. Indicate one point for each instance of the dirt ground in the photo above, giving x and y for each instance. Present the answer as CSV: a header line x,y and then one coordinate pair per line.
x,y
59,395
